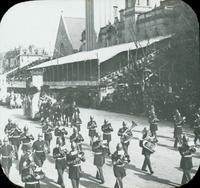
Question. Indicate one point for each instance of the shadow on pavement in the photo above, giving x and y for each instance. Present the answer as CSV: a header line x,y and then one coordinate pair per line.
x,y
91,184
48,183
169,147
19,116
133,167
89,177
156,179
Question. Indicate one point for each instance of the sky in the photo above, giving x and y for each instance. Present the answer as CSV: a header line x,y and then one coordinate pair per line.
x,y
36,22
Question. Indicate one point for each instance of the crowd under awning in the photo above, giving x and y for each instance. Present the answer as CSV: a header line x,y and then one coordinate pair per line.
x,y
102,54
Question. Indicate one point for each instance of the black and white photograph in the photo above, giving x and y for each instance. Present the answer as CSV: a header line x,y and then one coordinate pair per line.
x,y
100,94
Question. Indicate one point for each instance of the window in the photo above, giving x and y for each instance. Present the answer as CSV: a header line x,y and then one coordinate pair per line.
x,y
138,2
62,49
147,2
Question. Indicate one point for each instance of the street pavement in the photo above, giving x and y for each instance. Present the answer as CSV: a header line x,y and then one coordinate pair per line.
x,y
165,161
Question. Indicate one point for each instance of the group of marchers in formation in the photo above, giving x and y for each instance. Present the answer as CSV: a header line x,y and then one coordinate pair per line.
x,y
54,124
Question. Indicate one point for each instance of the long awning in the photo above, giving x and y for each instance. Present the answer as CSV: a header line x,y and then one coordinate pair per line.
x,y
102,54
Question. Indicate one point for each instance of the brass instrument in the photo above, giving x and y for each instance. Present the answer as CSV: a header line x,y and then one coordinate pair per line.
x,y
128,133
92,125
149,144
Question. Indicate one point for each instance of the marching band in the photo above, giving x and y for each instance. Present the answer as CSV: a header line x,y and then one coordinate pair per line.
x,y
34,154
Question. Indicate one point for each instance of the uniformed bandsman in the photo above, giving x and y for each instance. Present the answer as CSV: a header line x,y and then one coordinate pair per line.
x,y
146,150
39,147
186,159
107,130
6,153
60,132
92,126
153,121
122,133
74,159
47,131
178,129
30,170
14,137
77,138
59,154
197,127
119,160
26,139
9,126
99,151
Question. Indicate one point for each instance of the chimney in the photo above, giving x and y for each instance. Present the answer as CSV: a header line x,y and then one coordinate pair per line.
x,y
121,13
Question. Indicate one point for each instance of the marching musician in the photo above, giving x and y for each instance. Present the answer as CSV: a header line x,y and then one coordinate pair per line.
x,y
60,132
107,130
6,153
146,151
125,134
119,160
9,126
178,130
153,120
197,127
47,131
26,139
99,151
74,159
14,137
30,170
186,159
92,126
77,138
59,154
39,147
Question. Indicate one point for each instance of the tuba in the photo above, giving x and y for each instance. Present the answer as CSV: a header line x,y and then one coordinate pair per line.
x,y
149,144
128,133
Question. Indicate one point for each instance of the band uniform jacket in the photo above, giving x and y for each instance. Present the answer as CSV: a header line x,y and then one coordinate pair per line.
x,y
14,137
99,153
120,133
118,164
26,140
74,163
9,127
197,126
6,153
107,129
60,158
39,148
27,167
47,130
186,157
77,138
92,125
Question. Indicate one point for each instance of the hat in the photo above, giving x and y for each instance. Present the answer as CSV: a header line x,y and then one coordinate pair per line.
x,y
40,135
119,146
5,139
123,123
25,128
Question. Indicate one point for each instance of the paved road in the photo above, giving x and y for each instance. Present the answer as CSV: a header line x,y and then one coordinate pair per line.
x,y
165,161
